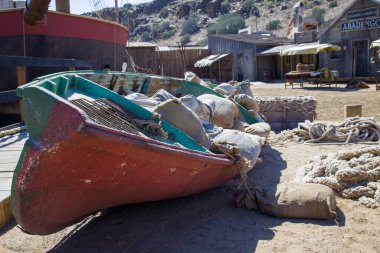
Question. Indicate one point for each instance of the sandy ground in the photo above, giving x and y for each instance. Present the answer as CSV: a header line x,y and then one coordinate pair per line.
x,y
209,222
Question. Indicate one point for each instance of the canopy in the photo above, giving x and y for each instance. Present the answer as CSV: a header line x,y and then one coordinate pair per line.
x,y
310,48
376,43
209,60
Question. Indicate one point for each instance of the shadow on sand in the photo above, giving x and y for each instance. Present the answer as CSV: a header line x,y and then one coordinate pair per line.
x,y
206,222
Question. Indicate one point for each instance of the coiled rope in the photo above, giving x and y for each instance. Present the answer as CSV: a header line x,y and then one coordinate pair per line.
x,y
352,130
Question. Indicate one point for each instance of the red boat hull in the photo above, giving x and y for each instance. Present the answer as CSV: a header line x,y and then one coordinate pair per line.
x,y
71,173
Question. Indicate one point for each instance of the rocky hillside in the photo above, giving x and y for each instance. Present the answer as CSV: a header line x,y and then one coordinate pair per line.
x,y
170,22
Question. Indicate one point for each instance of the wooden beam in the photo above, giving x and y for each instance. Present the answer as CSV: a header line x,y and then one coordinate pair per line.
x,y
21,80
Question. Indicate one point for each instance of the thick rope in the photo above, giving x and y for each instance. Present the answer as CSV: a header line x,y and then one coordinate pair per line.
x,y
12,131
352,130
354,174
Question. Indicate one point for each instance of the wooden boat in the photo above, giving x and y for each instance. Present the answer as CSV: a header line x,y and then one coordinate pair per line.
x,y
123,83
86,153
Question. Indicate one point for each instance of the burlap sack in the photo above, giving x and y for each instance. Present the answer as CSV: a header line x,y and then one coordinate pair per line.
x,y
190,76
162,95
298,200
244,88
225,89
225,111
202,110
184,119
250,147
261,129
247,102
142,100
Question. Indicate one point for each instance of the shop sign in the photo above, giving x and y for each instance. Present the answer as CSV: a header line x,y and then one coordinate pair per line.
x,y
360,25
362,13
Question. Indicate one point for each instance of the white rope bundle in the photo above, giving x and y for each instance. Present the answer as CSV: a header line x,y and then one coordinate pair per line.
x,y
354,174
352,130
307,105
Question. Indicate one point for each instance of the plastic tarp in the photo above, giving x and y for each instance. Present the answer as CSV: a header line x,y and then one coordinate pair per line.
x,y
209,60
310,48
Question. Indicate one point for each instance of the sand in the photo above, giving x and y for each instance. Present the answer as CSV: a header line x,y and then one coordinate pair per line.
x,y
209,222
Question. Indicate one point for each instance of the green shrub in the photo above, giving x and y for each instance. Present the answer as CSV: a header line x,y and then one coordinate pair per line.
x,y
168,34
227,24
202,43
273,25
190,26
164,13
333,4
145,37
318,14
225,7
185,39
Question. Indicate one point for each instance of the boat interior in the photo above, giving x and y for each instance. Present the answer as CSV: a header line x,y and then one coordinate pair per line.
x,y
109,109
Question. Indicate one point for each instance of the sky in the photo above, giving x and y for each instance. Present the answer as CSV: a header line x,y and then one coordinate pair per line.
x,y
81,6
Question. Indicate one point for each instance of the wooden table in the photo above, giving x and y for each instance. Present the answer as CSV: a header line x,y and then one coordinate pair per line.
x,y
294,75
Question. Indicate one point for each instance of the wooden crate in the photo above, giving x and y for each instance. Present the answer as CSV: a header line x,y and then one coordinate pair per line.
x,y
5,212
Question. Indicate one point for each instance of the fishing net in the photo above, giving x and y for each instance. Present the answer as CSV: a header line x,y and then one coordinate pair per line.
x,y
306,105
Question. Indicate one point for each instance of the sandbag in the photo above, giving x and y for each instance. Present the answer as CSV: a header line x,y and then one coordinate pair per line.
x,y
247,102
184,119
202,110
162,95
142,100
297,200
250,148
239,125
190,76
225,89
244,88
225,111
261,129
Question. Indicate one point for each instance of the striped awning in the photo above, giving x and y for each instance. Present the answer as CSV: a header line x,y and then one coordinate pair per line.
x,y
209,60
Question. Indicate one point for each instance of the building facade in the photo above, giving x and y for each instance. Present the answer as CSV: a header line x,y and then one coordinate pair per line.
x,y
243,49
354,31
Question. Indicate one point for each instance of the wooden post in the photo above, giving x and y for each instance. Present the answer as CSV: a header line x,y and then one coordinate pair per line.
x,y
21,80
220,76
116,11
71,68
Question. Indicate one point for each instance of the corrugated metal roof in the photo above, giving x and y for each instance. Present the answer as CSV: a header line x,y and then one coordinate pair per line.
x,y
253,38
209,60
140,44
275,50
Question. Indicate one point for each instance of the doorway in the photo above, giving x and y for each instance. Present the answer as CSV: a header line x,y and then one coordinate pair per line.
x,y
360,56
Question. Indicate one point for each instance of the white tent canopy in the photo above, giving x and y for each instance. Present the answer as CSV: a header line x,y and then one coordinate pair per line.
x,y
375,43
310,48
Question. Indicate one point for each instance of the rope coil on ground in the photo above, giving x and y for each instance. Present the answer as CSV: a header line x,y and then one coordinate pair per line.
x,y
354,174
352,130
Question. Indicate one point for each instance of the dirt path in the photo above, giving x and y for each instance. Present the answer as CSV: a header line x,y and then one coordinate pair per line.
x,y
209,222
